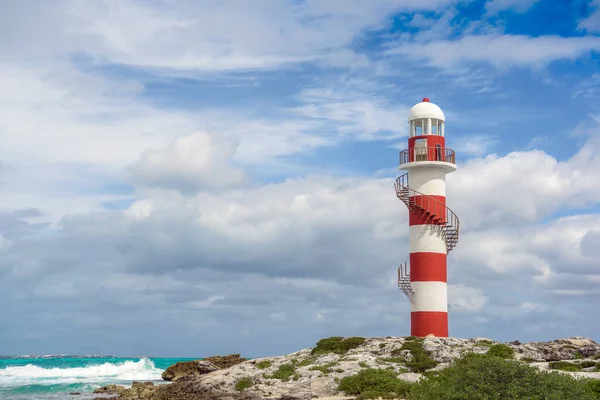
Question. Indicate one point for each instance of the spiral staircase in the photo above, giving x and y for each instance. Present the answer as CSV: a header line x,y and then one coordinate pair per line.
x,y
430,211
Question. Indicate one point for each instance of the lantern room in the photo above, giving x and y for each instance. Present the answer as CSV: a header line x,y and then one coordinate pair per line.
x,y
426,138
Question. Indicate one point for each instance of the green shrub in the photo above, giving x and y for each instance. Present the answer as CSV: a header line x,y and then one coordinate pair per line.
x,y
475,376
594,385
373,383
362,364
484,343
306,361
421,359
597,357
382,345
284,372
527,359
243,383
325,368
397,360
337,344
501,351
587,364
565,366
263,364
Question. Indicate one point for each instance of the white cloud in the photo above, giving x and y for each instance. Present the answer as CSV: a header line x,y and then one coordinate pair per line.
x,y
474,145
592,22
464,298
199,161
500,50
211,36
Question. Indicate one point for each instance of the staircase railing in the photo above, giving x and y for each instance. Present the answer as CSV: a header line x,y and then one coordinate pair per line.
x,y
404,281
430,210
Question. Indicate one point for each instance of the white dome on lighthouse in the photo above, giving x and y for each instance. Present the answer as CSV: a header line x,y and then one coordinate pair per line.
x,y
426,109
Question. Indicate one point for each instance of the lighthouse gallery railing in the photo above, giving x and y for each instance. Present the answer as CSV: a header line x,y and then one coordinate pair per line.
x,y
430,153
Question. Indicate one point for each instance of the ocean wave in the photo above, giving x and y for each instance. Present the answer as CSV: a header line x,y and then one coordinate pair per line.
x,y
143,370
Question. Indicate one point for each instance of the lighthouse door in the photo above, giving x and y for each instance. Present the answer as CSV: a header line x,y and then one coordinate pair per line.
x,y
421,150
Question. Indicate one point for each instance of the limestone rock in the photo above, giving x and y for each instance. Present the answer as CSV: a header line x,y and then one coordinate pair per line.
x,y
225,361
193,388
302,376
109,389
188,368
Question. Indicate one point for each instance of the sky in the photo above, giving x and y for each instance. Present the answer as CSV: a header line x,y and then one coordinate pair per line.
x,y
190,178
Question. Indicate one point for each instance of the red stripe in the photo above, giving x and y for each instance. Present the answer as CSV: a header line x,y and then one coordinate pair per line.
x,y
423,323
428,267
435,205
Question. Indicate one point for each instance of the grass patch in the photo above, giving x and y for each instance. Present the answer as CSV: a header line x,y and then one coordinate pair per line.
x,y
325,368
527,359
565,366
396,360
337,345
476,376
263,364
243,383
501,351
382,345
421,359
306,362
284,372
373,383
362,364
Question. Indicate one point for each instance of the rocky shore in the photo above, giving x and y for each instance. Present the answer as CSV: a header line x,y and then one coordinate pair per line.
x,y
320,372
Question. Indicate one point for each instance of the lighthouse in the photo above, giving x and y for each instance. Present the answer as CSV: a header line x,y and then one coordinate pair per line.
x,y
433,227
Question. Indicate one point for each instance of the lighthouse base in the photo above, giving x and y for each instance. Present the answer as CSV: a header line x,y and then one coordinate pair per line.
x,y
423,323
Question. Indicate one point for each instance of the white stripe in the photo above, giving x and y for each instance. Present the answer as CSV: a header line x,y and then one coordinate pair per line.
x,y
426,239
429,181
429,296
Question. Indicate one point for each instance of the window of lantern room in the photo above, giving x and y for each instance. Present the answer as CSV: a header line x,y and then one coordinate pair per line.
x,y
434,127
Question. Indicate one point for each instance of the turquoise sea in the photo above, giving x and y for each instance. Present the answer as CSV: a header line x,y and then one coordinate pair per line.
x,y
53,377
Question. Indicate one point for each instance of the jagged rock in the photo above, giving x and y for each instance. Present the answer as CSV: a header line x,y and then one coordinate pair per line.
x,y
188,368
225,361
139,390
311,376
194,389
110,389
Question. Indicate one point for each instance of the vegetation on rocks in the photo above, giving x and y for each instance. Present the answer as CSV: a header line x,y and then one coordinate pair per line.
x,y
421,359
284,372
565,366
475,376
374,383
337,345
325,368
263,364
501,351
243,383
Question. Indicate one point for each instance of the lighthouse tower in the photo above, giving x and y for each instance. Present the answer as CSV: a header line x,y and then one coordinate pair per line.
x,y
433,227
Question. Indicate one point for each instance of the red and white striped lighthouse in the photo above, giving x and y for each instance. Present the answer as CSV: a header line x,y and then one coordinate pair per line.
x,y
433,227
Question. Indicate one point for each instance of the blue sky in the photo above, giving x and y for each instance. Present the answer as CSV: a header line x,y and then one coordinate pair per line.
x,y
175,170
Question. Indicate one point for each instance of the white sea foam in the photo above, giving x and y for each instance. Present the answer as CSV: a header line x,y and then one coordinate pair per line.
x,y
142,370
